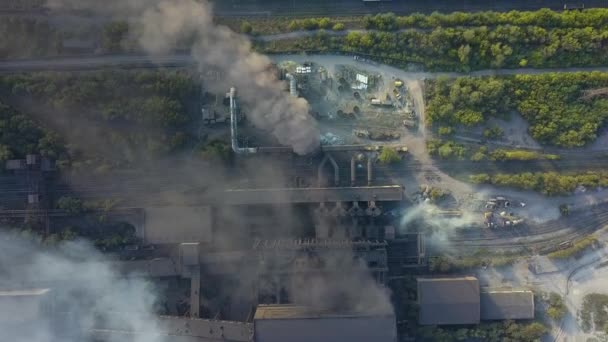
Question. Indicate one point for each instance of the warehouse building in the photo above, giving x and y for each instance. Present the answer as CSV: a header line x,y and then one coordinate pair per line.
x,y
448,301
506,304
280,323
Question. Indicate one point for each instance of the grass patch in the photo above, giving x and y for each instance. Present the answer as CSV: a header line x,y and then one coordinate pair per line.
x,y
576,250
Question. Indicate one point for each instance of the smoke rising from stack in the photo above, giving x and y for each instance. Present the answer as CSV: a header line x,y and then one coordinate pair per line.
x,y
164,25
86,293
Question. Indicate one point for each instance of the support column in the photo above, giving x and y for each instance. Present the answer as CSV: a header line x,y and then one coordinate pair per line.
x,y
369,171
353,170
195,288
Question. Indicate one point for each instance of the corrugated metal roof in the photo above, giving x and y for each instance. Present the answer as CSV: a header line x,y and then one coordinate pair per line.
x,y
289,311
507,304
448,301
280,323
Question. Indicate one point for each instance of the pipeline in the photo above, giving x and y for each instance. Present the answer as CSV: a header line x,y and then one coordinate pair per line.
x,y
233,127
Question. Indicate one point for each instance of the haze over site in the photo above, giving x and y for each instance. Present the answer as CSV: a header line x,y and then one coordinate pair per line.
x,y
163,25
86,292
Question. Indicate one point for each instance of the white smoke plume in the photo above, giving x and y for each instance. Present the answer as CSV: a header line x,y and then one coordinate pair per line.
x,y
164,25
85,293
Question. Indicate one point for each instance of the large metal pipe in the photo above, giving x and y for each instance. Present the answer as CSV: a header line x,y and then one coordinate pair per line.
x,y
335,166
293,85
233,127
369,171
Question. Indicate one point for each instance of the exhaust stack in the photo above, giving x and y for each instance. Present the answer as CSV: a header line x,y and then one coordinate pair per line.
x,y
233,127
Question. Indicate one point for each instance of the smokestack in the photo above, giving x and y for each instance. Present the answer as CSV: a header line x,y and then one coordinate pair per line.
x,y
233,127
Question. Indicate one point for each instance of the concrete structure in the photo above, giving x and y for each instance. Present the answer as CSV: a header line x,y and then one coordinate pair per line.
x,y
283,263
195,225
281,323
181,329
506,304
313,195
448,301
190,264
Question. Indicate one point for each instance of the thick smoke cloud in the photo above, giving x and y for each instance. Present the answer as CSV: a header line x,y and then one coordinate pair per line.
x,y
337,281
166,24
86,293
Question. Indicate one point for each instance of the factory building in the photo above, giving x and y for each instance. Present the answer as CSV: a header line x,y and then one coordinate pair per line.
x,y
448,301
280,323
506,304
459,300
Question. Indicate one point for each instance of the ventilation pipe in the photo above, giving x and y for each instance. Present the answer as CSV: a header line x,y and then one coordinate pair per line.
x,y
293,90
233,127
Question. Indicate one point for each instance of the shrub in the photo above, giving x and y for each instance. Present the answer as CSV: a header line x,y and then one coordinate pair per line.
x,y
338,27
246,27
388,156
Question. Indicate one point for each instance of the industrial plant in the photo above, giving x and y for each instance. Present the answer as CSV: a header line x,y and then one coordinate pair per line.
x,y
259,171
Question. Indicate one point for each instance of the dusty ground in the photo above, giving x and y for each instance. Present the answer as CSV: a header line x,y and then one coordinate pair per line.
x,y
573,279
424,171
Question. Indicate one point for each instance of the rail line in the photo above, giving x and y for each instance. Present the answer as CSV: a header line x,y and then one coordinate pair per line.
x,y
589,225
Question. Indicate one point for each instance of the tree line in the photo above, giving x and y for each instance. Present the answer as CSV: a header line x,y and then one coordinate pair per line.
x,y
465,48
114,116
594,17
551,103
19,136
548,183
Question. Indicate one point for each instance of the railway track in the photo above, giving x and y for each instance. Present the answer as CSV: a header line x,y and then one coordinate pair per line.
x,y
536,239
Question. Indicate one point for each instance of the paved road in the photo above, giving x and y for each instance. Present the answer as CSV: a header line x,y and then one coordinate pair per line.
x,y
184,60
351,7
357,7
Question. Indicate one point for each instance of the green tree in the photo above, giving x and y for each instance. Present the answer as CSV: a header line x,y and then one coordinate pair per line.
x,y
480,154
113,36
557,309
69,204
294,25
246,27
389,156
324,23
446,151
5,153
480,178
445,131
464,54
216,150
494,132
338,27
533,332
